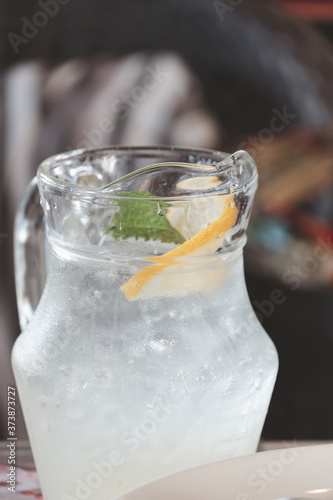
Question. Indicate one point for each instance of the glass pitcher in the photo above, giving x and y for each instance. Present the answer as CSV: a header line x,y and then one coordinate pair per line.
x,y
143,356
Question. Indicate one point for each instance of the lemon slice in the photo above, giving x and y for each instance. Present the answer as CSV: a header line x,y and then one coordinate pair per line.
x,y
190,218
162,277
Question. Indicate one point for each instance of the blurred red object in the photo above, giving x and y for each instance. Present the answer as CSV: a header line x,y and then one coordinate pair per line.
x,y
312,10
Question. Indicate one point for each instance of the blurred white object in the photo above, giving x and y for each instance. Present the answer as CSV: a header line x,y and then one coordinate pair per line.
x,y
288,473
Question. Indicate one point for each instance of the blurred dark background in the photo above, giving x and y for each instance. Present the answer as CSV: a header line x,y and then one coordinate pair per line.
x,y
252,74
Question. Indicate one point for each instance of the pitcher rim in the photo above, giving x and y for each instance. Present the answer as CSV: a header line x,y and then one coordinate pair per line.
x,y
73,188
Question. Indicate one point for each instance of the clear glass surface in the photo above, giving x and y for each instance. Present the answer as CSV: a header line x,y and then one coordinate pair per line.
x,y
144,356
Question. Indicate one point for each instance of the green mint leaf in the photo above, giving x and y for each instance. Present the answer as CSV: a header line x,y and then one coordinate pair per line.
x,y
140,218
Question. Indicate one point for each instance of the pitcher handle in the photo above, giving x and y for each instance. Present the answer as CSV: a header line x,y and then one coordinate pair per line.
x,y
30,253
